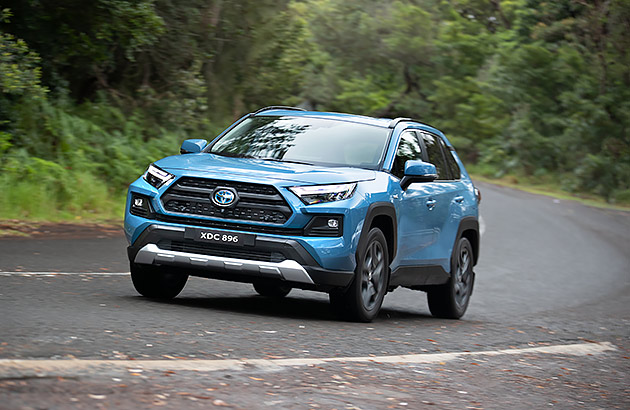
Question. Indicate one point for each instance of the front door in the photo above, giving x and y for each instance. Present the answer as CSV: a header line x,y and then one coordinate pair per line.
x,y
428,211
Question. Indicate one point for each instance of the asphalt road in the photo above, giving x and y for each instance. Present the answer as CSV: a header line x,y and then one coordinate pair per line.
x,y
553,274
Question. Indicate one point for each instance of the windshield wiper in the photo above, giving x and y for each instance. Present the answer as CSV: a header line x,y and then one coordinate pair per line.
x,y
234,155
231,155
285,160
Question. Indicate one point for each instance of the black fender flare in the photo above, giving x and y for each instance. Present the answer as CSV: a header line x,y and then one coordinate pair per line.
x,y
380,209
469,223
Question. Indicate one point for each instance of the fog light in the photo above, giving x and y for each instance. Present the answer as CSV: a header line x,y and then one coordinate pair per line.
x,y
140,206
325,225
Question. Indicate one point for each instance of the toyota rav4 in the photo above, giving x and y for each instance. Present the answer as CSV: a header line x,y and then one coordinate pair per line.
x,y
285,198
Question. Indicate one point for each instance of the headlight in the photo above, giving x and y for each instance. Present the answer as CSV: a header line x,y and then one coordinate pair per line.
x,y
157,177
316,194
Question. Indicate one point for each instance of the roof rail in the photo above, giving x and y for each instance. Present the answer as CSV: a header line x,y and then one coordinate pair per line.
x,y
279,107
393,123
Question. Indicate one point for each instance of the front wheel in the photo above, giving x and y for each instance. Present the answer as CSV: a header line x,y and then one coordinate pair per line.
x,y
157,282
363,300
450,300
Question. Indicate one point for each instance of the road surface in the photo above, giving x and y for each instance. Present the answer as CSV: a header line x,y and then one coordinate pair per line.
x,y
547,327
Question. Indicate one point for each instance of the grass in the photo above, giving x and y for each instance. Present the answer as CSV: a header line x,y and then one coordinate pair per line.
x,y
83,200
8,231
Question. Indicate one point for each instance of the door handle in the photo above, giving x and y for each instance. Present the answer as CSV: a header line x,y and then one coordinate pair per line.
x,y
459,199
431,204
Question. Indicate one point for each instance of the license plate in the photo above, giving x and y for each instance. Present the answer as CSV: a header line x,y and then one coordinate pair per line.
x,y
220,237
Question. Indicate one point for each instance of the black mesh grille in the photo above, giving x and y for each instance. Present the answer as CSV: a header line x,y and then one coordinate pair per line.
x,y
139,212
223,251
260,203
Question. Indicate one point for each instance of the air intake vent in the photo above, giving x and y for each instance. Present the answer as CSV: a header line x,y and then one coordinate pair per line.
x,y
224,251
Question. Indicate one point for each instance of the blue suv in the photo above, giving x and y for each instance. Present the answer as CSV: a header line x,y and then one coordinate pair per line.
x,y
285,198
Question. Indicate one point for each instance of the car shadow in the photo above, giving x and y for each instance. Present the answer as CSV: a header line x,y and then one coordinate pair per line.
x,y
399,314
287,308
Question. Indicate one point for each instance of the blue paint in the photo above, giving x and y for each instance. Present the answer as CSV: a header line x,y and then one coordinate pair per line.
x,y
428,214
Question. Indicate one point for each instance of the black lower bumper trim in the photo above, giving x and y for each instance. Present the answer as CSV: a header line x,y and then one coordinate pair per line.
x,y
288,249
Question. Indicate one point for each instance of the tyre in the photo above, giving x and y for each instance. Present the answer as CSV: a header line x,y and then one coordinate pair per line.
x,y
362,301
157,282
450,300
271,290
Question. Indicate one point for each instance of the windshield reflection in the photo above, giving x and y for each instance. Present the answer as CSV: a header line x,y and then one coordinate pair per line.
x,y
305,140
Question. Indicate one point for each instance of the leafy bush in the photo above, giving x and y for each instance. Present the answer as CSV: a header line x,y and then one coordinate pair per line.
x,y
91,92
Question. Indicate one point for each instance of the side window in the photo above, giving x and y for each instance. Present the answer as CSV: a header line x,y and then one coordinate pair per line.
x,y
452,164
434,150
408,148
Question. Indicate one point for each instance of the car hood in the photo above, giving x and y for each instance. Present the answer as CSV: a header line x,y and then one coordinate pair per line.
x,y
216,166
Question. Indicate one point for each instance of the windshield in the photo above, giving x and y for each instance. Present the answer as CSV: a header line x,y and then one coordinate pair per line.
x,y
305,140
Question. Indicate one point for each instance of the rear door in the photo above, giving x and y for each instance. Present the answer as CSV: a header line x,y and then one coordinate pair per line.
x,y
444,202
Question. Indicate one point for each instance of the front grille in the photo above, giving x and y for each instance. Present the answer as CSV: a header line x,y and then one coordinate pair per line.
x,y
257,202
222,251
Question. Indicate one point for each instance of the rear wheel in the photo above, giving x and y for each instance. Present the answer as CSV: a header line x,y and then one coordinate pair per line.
x,y
271,290
362,301
450,300
157,282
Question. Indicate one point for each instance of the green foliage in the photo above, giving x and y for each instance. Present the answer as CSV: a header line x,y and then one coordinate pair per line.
x,y
91,92
134,25
76,162
19,68
20,75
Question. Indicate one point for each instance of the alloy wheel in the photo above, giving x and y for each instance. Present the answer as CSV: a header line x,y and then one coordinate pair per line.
x,y
372,277
463,277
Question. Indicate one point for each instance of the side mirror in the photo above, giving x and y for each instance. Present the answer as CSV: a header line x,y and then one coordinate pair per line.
x,y
193,146
418,171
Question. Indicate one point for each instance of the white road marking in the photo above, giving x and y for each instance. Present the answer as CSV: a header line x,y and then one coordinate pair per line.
x,y
63,273
482,226
37,367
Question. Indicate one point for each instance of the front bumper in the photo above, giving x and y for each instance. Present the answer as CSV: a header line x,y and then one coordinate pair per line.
x,y
270,259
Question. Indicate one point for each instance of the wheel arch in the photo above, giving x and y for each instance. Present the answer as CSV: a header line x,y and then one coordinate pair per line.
x,y
469,229
381,215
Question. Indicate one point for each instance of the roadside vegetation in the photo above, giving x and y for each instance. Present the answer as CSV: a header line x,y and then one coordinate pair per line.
x,y
92,92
